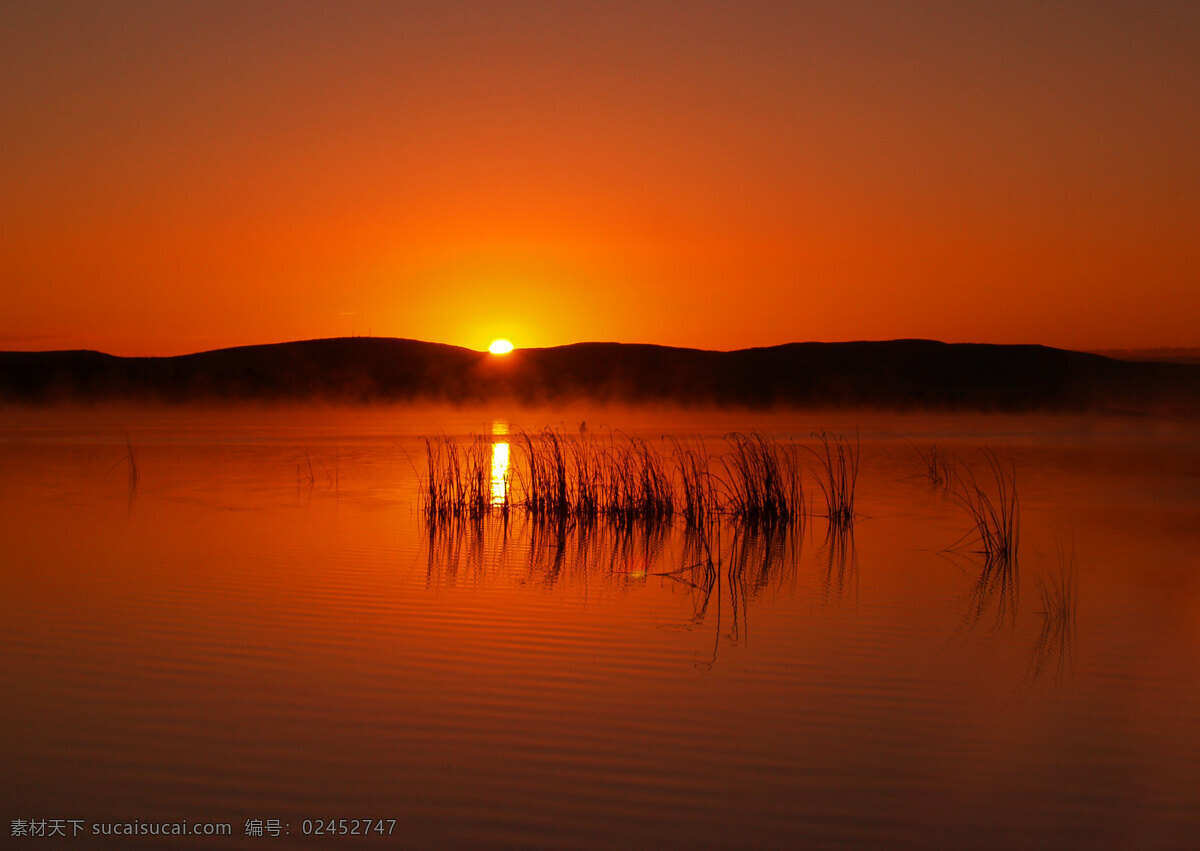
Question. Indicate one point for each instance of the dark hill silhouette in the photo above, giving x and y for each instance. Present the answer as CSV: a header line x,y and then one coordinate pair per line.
x,y
897,373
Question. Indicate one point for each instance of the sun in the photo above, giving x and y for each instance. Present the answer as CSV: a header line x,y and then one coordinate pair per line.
x,y
500,347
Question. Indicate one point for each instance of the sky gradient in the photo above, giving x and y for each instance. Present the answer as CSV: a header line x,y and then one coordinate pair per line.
x,y
186,176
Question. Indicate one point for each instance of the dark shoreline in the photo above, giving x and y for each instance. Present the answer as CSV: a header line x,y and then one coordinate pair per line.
x,y
897,374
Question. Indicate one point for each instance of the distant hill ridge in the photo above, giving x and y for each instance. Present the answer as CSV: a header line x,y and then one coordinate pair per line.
x,y
1167,354
892,374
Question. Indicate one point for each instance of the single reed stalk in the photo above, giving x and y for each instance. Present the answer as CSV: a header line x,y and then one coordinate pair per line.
x,y
133,467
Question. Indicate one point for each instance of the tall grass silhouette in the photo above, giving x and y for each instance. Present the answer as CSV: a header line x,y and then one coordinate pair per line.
x,y
995,533
556,475
937,464
838,476
763,483
996,515
697,486
458,479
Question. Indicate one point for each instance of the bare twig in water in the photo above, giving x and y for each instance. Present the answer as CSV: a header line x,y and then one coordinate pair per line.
x,y
133,468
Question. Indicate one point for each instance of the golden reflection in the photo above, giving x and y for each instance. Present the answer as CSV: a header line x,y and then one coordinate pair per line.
x,y
500,471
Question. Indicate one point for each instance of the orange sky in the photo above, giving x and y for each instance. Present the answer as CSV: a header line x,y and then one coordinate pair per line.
x,y
178,177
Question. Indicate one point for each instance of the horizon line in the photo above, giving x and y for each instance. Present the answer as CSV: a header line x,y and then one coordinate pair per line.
x,y
1105,351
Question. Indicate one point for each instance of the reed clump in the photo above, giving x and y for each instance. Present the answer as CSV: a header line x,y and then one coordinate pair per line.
x,y
762,479
996,517
544,477
564,477
837,460
637,482
698,500
937,464
458,480
581,479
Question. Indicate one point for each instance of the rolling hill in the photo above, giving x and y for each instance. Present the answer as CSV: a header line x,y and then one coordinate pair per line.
x,y
891,374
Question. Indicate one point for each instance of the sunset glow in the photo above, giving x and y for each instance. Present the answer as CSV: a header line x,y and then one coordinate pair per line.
x,y
692,174
842,490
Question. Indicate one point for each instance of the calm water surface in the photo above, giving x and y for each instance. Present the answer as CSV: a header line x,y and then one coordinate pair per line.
x,y
267,629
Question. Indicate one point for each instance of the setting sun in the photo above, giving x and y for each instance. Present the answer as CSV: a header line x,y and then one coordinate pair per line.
x,y
776,267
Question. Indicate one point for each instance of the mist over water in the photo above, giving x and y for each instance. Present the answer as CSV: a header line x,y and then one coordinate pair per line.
x,y
263,624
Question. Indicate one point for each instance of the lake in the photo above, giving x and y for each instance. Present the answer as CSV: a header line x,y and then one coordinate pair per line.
x,y
264,631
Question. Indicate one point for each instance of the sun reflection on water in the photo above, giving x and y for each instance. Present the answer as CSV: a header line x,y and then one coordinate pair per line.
x,y
500,470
